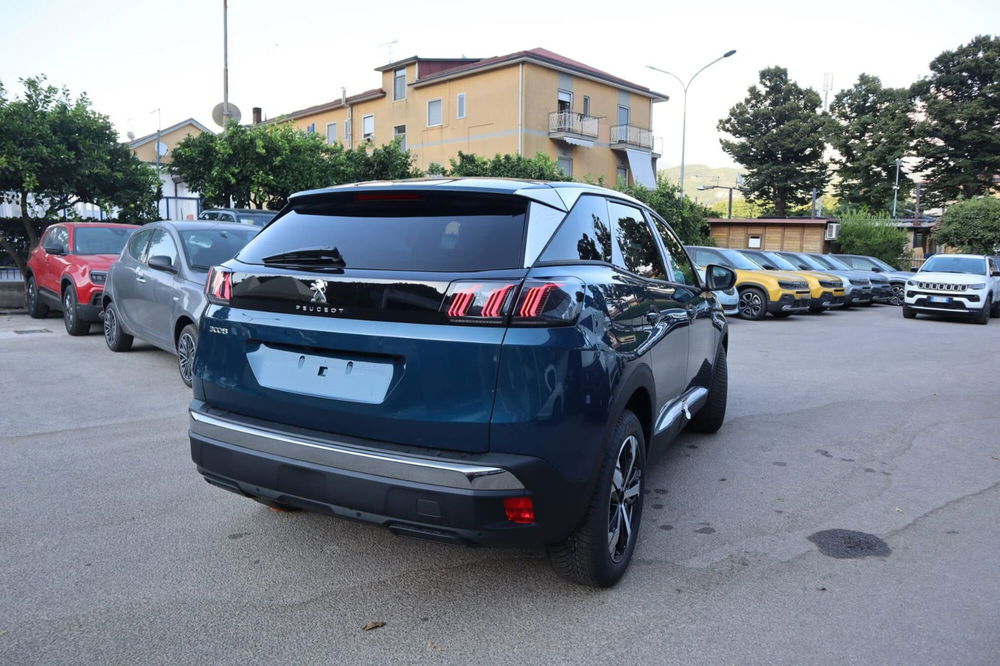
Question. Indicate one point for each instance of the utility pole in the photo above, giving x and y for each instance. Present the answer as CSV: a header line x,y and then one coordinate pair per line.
x,y
225,62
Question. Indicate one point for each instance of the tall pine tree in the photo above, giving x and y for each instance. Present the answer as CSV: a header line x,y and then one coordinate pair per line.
x,y
872,128
777,135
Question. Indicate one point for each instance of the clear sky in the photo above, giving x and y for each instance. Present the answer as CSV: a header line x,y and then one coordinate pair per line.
x,y
134,56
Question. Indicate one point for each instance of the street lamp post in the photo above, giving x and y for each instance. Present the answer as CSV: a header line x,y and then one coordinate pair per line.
x,y
895,190
724,187
685,86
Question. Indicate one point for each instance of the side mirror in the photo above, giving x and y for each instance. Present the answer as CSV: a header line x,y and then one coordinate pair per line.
x,y
877,269
54,249
162,263
995,274
719,278
913,270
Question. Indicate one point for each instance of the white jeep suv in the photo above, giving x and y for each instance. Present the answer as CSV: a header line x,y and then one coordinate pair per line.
x,y
957,284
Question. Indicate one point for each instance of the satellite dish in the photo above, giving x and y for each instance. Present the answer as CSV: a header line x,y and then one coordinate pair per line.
x,y
162,149
234,114
131,135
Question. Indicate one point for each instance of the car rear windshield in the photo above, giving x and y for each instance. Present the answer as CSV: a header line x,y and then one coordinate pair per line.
x,y
101,240
401,231
210,247
945,264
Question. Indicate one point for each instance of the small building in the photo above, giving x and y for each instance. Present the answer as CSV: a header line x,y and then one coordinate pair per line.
x,y
595,125
178,202
794,234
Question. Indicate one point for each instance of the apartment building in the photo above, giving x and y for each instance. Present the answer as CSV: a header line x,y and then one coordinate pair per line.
x,y
177,201
595,125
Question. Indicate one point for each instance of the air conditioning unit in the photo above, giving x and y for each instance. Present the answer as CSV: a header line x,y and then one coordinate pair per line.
x,y
832,231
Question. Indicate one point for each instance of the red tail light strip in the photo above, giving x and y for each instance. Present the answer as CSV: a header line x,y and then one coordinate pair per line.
x,y
494,304
535,300
460,303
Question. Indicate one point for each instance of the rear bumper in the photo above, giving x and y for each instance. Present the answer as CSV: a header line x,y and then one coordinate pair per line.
x,y
413,492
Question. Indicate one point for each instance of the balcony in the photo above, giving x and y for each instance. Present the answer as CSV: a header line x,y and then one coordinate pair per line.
x,y
573,128
630,136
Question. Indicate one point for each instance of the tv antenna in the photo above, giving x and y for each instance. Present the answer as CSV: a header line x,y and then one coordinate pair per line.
x,y
388,46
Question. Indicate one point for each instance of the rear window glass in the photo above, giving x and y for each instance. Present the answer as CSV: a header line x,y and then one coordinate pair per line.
x,y
101,240
635,238
210,247
399,230
584,235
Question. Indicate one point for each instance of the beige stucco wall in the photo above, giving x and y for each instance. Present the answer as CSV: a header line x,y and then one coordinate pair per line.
x,y
147,151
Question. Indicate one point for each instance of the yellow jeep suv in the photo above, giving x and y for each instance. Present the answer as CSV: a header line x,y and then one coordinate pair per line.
x,y
827,289
760,291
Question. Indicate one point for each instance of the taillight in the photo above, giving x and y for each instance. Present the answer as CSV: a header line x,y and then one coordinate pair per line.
x,y
219,286
520,510
538,303
548,302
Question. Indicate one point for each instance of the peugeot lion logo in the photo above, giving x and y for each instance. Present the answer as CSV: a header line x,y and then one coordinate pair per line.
x,y
319,291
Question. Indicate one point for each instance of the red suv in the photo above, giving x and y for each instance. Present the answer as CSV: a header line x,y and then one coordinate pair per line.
x,y
68,269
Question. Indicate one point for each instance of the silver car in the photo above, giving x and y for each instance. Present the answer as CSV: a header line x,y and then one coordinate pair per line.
x,y
156,289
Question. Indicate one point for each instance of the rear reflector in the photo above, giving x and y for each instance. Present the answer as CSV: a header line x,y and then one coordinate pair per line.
x,y
520,510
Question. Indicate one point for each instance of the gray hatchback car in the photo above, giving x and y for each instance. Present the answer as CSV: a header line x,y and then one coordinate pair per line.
x,y
156,289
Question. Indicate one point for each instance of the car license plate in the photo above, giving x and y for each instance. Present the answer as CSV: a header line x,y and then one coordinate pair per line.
x,y
940,299
340,378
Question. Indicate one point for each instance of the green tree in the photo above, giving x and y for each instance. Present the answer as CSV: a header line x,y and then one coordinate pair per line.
x,y
958,138
259,166
873,236
872,128
777,135
686,217
56,152
972,225
539,167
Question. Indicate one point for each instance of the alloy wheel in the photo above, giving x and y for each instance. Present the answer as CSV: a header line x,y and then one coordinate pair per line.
x,y
897,295
32,294
69,309
185,356
750,304
110,326
625,487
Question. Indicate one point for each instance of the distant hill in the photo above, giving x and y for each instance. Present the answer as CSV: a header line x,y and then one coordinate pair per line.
x,y
701,174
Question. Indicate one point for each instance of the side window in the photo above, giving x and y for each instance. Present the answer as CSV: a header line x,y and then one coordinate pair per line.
x,y
162,245
639,251
681,269
584,235
138,243
60,237
49,237
209,215
226,217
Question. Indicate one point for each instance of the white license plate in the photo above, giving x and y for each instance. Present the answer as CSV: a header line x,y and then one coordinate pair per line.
x,y
940,299
355,380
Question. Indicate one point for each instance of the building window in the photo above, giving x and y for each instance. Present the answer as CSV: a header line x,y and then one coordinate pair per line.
x,y
311,128
564,100
566,166
586,105
331,133
753,242
621,175
433,112
623,115
347,130
399,132
460,106
368,128
399,84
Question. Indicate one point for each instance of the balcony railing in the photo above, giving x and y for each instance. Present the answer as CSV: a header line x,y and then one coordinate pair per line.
x,y
569,122
632,136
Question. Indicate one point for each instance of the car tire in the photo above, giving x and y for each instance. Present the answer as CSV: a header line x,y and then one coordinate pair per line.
x,y
114,335
995,312
187,346
984,314
752,303
71,318
713,413
36,309
595,554
909,313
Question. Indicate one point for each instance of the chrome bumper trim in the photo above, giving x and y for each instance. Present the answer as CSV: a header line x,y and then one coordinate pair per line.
x,y
348,458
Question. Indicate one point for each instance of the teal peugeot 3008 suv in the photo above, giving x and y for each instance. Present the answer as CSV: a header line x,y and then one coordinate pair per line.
x,y
466,360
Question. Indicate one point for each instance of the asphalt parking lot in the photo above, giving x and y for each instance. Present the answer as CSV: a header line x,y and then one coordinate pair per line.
x,y
113,549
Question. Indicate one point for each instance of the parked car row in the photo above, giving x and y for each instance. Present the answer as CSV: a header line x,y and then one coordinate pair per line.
x,y
146,282
785,283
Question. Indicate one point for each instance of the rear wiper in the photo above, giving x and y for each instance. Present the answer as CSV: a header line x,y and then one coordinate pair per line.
x,y
316,257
